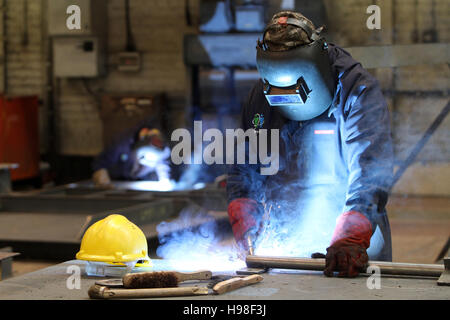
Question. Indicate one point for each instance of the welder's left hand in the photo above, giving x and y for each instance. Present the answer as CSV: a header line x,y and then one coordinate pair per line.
x,y
348,259
347,253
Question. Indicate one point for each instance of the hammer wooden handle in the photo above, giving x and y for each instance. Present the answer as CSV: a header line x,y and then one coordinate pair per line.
x,y
101,292
236,283
197,275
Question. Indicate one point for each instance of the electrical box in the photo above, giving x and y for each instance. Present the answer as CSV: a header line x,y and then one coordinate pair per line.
x,y
78,30
77,57
129,62
92,13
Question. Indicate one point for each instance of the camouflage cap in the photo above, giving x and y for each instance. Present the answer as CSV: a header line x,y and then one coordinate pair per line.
x,y
282,37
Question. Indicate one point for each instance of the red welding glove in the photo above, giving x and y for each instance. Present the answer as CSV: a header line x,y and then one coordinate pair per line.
x,y
242,213
347,252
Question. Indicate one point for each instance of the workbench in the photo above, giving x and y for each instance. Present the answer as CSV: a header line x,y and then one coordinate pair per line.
x,y
51,284
28,219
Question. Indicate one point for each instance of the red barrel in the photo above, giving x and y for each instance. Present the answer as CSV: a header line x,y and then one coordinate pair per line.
x,y
19,135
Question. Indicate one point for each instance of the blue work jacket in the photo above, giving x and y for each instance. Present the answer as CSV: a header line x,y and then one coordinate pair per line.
x,y
339,161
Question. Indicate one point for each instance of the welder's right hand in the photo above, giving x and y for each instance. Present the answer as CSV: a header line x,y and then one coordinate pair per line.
x,y
101,178
243,214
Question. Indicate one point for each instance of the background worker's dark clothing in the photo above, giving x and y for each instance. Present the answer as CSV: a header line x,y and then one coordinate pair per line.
x,y
334,163
119,158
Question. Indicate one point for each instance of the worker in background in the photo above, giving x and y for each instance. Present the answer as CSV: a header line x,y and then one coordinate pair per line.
x,y
141,155
336,154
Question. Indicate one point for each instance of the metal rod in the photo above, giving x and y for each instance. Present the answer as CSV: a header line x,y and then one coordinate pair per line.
x,y
391,268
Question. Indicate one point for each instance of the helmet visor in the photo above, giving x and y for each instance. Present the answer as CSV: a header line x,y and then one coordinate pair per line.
x,y
293,95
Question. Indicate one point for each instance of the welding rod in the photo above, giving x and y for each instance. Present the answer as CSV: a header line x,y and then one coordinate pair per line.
x,y
388,268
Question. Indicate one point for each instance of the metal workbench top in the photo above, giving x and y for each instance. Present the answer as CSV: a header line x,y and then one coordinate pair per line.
x,y
51,284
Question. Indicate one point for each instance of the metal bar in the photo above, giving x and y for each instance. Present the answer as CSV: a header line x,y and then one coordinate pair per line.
x,y
230,49
391,268
5,181
400,55
419,145
6,263
234,49
5,176
63,204
444,252
444,279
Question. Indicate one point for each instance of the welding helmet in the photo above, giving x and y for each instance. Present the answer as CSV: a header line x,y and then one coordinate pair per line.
x,y
298,82
115,240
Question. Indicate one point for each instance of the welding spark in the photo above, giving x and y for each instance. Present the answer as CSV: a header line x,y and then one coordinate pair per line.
x,y
194,241
163,185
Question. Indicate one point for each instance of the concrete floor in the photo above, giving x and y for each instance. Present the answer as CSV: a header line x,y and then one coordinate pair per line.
x,y
420,229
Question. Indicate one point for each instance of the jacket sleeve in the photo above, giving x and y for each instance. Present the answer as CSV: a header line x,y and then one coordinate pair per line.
x,y
368,144
106,159
112,153
245,180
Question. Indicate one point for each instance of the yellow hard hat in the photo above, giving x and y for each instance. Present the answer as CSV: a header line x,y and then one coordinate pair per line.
x,y
115,240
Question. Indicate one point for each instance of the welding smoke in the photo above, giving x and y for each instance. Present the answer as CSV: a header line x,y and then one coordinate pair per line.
x,y
196,171
301,202
195,241
297,227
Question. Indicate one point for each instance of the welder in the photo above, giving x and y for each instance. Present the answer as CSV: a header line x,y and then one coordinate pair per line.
x,y
336,154
140,154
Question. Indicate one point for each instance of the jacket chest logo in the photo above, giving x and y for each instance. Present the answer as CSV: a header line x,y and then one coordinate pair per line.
x,y
258,121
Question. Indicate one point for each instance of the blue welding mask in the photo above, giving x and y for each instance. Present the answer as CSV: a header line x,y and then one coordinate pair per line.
x,y
297,82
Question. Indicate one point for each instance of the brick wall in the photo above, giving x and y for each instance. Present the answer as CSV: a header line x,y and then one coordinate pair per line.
x,y
24,55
